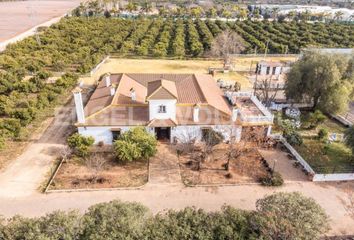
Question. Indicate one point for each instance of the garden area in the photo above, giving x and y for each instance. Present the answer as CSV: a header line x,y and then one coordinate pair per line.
x,y
85,166
320,140
213,161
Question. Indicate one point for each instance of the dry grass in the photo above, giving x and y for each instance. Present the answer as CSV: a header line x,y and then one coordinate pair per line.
x,y
74,174
243,64
247,168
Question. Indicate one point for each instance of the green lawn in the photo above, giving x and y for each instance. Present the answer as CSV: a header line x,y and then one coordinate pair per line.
x,y
336,157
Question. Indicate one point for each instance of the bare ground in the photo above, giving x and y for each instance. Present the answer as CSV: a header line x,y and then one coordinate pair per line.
x,y
247,168
75,174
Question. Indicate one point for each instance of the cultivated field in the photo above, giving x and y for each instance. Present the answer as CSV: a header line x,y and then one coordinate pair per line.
x,y
19,16
242,65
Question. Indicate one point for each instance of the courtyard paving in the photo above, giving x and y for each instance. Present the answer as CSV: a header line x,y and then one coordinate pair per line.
x,y
163,167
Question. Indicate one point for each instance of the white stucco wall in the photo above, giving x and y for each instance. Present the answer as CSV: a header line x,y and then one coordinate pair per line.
x,y
181,133
277,70
170,109
103,134
185,133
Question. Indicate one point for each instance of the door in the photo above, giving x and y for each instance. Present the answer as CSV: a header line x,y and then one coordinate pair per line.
x,y
163,133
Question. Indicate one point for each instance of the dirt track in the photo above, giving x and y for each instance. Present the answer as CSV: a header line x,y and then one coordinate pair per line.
x,y
26,173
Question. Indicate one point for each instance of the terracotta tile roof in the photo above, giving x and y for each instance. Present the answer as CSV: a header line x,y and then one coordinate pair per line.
x,y
120,116
190,89
162,123
162,89
208,115
213,95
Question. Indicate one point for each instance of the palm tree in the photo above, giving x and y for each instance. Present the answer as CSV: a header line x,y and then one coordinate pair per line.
x,y
275,12
338,15
256,13
351,17
291,15
163,11
131,7
212,13
243,13
306,15
146,7
196,12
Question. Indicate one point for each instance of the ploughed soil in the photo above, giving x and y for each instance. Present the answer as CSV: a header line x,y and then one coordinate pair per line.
x,y
75,174
247,168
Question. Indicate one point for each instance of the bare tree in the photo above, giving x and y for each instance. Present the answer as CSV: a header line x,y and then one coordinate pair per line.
x,y
96,164
186,140
65,153
266,90
251,135
226,43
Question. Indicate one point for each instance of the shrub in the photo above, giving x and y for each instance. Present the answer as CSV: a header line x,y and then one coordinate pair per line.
x,y
127,151
212,137
2,144
293,138
114,220
272,179
316,118
289,216
278,216
349,138
135,144
322,133
80,144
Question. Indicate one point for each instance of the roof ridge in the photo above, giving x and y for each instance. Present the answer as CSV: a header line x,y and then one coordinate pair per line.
x,y
200,89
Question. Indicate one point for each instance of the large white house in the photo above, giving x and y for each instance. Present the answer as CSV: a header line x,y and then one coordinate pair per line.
x,y
172,106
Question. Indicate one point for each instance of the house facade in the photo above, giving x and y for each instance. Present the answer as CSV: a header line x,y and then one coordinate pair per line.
x,y
174,107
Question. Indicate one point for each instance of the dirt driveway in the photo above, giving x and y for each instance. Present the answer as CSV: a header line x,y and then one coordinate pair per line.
x,y
25,174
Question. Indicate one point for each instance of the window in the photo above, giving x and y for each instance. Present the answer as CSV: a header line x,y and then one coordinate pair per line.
x,y
115,134
274,69
162,109
268,70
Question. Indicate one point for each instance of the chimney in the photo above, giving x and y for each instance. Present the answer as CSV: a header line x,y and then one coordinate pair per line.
x,y
234,114
79,105
196,113
113,89
133,94
107,79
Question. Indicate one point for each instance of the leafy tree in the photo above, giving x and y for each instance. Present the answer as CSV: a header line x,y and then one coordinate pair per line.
x,y
115,220
317,79
135,144
290,216
349,138
80,144
126,151
53,226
